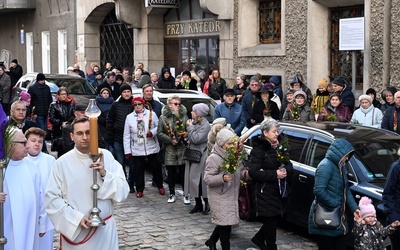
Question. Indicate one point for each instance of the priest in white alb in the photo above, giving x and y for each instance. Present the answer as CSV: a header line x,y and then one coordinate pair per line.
x,y
69,197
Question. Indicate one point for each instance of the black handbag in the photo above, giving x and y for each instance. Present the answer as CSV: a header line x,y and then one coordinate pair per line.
x,y
326,218
192,155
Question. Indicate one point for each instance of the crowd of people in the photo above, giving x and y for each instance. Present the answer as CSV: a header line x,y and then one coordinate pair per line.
x,y
137,132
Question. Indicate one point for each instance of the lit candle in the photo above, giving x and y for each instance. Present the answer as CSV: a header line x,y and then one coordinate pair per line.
x,y
92,111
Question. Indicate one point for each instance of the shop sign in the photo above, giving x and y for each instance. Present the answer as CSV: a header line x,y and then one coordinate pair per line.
x,y
203,27
162,3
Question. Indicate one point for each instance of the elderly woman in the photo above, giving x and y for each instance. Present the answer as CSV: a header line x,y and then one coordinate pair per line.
x,y
141,143
171,132
388,97
268,176
223,191
335,110
299,110
367,114
197,131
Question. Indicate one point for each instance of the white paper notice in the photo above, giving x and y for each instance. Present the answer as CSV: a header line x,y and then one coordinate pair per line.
x,y
351,33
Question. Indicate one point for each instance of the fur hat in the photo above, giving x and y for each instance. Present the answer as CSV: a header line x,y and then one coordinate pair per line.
x,y
221,121
40,77
323,83
200,109
300,92
223,136
365,97
138,99
366,207
341,81
123,87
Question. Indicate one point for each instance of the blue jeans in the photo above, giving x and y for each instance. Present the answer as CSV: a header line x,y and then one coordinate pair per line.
x,y
42,122
119,154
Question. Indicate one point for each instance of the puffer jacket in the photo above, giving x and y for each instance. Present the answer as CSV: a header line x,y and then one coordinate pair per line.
x,y
150,145
40,98
262,169
305,112
330,185
116,119
173,153
388,119
59,112
222,196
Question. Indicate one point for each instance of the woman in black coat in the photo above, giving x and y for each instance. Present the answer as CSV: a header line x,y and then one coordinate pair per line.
x,y
265,104
269,178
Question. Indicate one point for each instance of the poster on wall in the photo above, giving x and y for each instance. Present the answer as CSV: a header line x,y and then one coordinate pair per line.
x,y
351,33
162,3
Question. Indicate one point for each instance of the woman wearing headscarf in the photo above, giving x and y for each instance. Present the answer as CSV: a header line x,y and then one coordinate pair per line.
x,y
265,107
299,110
141,143
271,180
331,190
104,100
335,110
197,132
367,114
171,132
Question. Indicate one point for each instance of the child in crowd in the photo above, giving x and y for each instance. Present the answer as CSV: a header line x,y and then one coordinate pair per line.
x,y
368,232
26,98
321,96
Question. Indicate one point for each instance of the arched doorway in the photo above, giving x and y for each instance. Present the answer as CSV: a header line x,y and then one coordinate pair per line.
x,y
116,42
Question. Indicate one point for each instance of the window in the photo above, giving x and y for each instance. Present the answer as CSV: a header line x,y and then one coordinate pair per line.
x,y
270,21
62,52
46,52
29,52
317,151
297,141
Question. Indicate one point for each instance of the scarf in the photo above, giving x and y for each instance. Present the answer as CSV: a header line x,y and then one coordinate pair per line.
x,y
140,128
104,103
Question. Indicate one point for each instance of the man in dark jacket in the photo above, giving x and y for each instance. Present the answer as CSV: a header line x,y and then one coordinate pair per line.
x,y
40,100
108,83
148,97
116,122
249,99
15,72
166,81
339,84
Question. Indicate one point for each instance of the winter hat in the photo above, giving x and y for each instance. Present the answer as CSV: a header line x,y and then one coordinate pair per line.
x,y
24,96
341,81
186,72
371,91
300,92
276,80
223,136
365,97
138,99
70,68
221,121
296,79
123,87
144,79
40,77
323,83
14,61
201,109
366,207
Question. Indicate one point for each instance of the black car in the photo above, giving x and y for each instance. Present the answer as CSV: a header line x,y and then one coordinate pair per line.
x,y
375,150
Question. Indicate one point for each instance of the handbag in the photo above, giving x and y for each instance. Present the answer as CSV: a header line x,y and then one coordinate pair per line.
x,y
326,218
192,155
244,199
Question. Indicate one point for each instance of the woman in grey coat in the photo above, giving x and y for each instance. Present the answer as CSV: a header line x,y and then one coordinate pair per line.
x,y
171,132
197,131
223,191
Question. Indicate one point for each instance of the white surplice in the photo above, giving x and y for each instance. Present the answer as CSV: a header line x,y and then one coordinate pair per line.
x,y
44,163
24,214
69,197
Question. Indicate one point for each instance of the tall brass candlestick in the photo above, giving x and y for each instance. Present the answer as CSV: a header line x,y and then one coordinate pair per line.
x,y
92,111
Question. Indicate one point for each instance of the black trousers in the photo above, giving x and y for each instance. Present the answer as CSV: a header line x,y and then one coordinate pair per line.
x,y
268,231
332,243
140,163
222,233
175,174
395,239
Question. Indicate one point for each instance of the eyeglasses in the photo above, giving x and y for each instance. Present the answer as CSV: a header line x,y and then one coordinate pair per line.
x,y
176,103
254,85
21,142
137,104
81,133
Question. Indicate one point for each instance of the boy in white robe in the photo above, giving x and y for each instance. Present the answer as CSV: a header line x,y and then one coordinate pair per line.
x,y
69,197
24,214
44,163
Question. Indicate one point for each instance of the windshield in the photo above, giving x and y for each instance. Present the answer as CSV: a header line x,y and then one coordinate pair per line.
x,y
74,86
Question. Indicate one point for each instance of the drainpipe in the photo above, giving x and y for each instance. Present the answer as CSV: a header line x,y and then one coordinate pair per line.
x,y
386,42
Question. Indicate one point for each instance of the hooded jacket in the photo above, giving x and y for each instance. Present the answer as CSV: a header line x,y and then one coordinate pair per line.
x,y
166,83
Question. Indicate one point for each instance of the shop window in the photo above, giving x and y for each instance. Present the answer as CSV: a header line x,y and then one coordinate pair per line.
x,y
270,21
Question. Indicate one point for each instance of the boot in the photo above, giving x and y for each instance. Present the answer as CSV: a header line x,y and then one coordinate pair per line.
x,y
198,207
211,245
206,206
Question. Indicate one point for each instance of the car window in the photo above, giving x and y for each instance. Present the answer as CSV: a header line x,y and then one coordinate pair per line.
x,y
297,141
317,151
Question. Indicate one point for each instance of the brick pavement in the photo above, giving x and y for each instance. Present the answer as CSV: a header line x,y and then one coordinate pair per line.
x,y
152,223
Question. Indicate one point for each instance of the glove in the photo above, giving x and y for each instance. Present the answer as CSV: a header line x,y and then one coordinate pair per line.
x,y
128,156
149,134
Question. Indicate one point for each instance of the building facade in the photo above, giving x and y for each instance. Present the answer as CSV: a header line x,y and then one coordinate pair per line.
x,y
270,37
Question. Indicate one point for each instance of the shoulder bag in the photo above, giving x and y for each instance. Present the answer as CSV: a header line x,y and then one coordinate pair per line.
x,y
192,155
326,218
244,199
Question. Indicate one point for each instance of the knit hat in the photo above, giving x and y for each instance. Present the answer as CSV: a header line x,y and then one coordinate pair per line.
x,y
144,79
341,81
323,83
276,80
223,136
24,96
186,72
366,207
14,61
365,97
221,121
123,87
138,99
201,109
40,77
300,92
371,91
